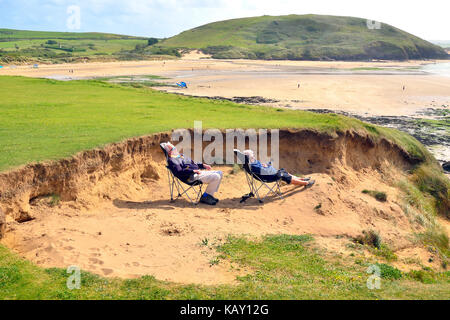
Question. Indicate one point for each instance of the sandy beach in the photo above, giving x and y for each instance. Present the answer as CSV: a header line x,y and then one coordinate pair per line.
x,y
364,88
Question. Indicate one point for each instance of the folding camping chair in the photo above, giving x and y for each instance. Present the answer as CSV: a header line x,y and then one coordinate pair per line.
x,y
178,185
257,182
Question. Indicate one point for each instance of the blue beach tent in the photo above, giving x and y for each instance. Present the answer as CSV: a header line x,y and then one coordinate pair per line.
x,y
182,84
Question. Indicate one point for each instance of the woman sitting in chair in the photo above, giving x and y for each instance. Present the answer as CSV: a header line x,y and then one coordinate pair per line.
x,y
187,170
267,171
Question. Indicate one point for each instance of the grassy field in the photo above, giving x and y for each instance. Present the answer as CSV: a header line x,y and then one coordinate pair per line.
x,y
43,119
283,267
17,46
304,37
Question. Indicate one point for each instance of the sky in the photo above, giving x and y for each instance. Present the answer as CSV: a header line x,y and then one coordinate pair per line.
x,y
164,18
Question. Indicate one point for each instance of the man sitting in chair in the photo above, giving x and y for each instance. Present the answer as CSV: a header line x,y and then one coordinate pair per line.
x,y
187,170
266,170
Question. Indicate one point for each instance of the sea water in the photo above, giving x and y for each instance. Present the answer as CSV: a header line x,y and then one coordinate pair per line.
x,y
442,69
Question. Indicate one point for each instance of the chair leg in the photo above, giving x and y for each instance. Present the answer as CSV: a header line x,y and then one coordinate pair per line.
x,y
274,190
170,185
175,184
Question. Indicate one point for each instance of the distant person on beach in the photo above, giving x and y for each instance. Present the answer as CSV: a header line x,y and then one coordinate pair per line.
x,y
267,170
187,170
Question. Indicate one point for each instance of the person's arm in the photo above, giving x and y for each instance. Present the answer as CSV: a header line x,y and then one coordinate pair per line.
x,y
205,166
201,166
179,169
256,167
263,169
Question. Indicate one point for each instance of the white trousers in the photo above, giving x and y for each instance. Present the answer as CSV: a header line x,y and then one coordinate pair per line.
x,y
212,179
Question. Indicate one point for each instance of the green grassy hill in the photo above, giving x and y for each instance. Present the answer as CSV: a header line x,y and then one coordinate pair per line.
x,y
11,34
21,46
304,37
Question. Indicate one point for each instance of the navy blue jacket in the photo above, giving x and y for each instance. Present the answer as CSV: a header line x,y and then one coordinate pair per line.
x,y
183,168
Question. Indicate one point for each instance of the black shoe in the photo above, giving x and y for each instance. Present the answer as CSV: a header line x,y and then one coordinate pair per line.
x,y
310,184
208,200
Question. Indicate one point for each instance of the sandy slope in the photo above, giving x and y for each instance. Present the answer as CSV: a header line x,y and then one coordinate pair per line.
x,y
115,218
149,235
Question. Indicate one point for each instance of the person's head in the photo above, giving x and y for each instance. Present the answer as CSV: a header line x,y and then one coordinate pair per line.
x,y
171,149
251,155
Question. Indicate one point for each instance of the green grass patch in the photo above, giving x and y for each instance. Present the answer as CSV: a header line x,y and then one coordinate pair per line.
x,y
380,196
281,267
426,197
427,276
384,251
389,272
59,47
429,180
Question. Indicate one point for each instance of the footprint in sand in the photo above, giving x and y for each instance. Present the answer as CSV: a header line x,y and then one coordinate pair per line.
x,y
96,261
107,272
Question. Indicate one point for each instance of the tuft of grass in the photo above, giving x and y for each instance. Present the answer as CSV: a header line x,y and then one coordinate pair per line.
x,y
429,179
427,276
423,207
371,238
389,272
55,199
236,169
214,262
437,238
380,196
417,202
385,252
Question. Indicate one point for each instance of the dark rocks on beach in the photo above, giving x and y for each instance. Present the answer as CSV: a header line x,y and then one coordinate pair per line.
x,y
244,100
422,131
253,100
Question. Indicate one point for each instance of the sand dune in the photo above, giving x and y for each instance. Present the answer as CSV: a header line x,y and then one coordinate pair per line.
x,y
115,218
